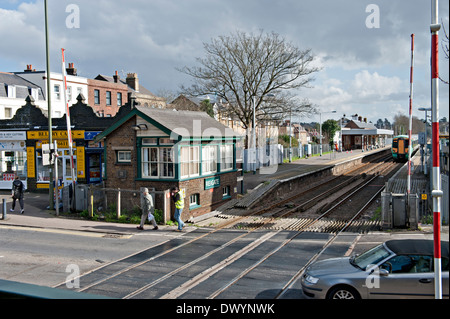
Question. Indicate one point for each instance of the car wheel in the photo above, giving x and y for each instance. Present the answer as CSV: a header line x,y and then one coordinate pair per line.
x,y
343,293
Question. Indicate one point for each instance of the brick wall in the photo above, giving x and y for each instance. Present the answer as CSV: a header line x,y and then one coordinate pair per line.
x,y
121,175
104,86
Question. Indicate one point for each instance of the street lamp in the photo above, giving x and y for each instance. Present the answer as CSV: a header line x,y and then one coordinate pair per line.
x,y
321,129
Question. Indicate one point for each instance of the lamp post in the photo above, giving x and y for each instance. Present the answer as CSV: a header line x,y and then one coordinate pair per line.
x,y
320,147
49,101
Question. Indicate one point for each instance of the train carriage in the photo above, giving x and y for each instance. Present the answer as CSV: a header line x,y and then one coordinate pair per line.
x,y
400,148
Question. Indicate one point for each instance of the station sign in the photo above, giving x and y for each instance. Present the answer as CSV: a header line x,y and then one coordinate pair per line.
x,y
213,182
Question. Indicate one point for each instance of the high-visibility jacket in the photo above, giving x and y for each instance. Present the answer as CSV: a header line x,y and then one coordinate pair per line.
x,y
179,200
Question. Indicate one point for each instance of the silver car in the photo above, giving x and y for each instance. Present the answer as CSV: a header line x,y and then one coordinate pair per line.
x,y
394,269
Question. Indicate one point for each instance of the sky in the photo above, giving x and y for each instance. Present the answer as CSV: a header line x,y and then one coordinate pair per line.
x,y
362,47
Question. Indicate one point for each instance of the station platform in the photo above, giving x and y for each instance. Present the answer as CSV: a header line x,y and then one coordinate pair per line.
x,y
419,181
302,166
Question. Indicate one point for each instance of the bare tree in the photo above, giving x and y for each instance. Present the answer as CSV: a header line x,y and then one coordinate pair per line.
x,y
262,68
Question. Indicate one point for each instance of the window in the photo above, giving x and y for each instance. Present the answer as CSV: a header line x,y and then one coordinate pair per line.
x,y
227,156
108,97
123,156
149,141
97,97
166,141
8,112
226,191
119,99
11,91
157,162
56,91
194,200
190,160
69,93
408,264
209,159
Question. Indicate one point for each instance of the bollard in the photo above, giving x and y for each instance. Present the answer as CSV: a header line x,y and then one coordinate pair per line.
x,y
4,213
118,204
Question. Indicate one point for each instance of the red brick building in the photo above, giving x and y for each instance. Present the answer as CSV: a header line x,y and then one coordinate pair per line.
x,y
106,97
161,148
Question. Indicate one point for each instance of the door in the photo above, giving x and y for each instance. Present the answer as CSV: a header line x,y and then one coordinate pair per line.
x,y
409,276
64,167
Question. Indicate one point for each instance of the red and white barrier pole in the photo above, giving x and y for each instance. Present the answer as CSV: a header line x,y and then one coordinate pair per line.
x,y
436,191
69,128
410,118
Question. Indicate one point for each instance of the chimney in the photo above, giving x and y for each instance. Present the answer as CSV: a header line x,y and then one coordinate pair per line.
x,y
133,81
29,68
116,77
71,70
360,118
365,120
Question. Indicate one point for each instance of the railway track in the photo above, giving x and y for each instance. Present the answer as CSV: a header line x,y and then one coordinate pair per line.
x,y
307,205
182,266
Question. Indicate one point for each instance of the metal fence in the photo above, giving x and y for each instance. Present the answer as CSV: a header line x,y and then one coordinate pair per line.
x,y
274,154
97,201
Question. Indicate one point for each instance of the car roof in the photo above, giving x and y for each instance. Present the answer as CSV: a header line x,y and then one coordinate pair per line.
x,y
416,247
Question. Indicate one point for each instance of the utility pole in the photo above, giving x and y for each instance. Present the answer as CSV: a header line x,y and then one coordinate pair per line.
x,y
49,102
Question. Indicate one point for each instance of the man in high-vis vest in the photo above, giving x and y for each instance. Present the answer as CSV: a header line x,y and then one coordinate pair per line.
x,y
178,199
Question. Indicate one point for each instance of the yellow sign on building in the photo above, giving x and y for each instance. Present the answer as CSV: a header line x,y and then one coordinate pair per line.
x,y
43,135
31,167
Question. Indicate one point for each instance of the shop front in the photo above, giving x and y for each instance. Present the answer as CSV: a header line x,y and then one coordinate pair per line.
x,y
13,158
39,174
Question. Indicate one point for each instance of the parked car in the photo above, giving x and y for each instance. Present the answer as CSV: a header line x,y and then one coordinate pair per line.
x,y
394,269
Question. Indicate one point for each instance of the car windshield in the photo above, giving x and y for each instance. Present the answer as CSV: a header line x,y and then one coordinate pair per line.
x,y
370,257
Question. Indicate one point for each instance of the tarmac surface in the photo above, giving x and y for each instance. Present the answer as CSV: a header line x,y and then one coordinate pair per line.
x,y
36,214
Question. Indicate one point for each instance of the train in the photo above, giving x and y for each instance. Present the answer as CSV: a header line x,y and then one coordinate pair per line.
x,y
400,147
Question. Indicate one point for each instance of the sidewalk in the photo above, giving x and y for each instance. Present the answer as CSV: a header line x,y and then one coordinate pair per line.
x,y
37,216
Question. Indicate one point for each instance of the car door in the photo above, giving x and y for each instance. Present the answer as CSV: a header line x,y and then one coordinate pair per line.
x,y
405,276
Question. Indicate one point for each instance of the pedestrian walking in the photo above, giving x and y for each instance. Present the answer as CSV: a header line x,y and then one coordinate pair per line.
x,y
147,211
17,194
178,199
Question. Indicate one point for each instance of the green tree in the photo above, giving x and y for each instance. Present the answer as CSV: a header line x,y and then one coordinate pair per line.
x,y
206,106
329,128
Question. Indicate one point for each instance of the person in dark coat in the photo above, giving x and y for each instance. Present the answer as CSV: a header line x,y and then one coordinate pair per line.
x,y
147,211
17,194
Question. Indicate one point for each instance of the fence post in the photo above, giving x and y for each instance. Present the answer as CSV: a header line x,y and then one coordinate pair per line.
x,y
4,213
118,204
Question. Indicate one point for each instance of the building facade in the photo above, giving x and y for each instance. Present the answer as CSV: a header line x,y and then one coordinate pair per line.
x,y
161,149
76,85
13,91
106,97
24,135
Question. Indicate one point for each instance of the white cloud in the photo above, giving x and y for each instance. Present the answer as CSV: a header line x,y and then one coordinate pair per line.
x,y
363,70
370,88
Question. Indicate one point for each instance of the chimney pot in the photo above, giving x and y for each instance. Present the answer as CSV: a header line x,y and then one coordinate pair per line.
x,y
116,77
71,70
